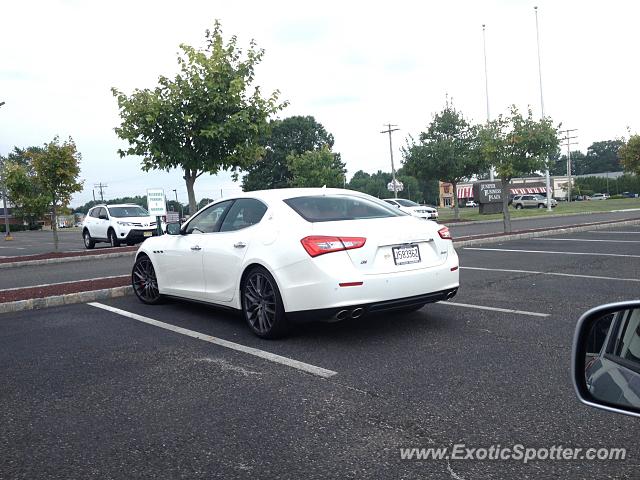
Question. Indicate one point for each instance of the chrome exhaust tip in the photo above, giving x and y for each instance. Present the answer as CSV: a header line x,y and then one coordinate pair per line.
x,y
357,312
341,315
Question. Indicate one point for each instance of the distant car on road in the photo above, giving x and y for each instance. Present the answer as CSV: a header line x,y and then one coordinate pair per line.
x,y
532,201
299,254
116,224
470,203
413,208
628,195
600,196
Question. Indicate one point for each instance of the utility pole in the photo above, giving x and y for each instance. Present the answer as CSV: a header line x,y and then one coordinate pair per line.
x,y
542,107
101,187
486,88
7,228
568,138
393,168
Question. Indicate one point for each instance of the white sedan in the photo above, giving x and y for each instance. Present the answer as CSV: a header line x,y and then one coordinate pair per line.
x,y
413,208
294,255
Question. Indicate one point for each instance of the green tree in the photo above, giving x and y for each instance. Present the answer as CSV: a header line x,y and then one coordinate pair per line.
x,y
446,151
209,117
57,170
204,202
517,146
603,157
630,155
558,164
316,169
25,192
293,135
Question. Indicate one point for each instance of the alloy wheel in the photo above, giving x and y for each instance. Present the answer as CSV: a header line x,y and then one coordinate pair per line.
x,y
260,302
144,281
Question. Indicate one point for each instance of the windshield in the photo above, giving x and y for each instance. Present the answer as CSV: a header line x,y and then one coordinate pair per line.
x,y
323,208
406,203
132,211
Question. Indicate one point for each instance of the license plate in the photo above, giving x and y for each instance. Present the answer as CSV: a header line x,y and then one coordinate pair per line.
x,y
148,234
406,254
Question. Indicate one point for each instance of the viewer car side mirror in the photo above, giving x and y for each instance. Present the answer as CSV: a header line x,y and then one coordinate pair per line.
x,y
606,358
173,228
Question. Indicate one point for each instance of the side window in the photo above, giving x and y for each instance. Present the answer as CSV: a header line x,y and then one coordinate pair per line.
x,y
244,213
208,221
94,212
100,211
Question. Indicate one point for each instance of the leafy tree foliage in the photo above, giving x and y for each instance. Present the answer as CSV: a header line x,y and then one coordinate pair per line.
x,y
44,179
209,117
630,155
603,157
517,146
445,151
316,168
290,136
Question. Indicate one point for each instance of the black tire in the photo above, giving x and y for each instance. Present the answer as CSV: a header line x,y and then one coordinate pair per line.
x,y
89,242
144,281
262,306
113,239
519,206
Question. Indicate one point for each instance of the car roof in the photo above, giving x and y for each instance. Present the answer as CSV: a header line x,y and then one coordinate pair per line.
x,y
286,193
120,205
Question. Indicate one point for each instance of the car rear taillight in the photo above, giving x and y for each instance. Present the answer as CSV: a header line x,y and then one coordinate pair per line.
x,y
444,233
318,245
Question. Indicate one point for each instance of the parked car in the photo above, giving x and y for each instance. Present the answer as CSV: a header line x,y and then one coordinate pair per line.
x,y
299,254
600,196
606,358
470,203
629,195
533,201
116,224
413,208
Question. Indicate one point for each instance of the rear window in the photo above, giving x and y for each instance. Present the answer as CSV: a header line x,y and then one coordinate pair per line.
x,y
325,208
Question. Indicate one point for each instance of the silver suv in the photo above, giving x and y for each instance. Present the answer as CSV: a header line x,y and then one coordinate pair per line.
x,y
534,201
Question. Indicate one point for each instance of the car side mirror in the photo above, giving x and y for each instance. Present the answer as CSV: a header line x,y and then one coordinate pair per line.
x,y
103,217
173,228
606,358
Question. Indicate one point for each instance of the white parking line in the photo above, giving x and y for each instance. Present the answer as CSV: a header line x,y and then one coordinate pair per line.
x,y
494,309
42,285
272,357
610,232
597,277
586,240
14,248
552,252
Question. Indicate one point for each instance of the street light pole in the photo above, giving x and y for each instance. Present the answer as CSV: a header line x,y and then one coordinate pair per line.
x,y
393,168
548,179
486,88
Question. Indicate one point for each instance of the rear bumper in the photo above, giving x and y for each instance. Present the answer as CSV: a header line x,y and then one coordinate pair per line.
x,y
356,311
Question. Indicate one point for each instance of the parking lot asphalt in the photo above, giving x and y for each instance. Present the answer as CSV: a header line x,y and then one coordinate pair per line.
x,y
41,241
91,393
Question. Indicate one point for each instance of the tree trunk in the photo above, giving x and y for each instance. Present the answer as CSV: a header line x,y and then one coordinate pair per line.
x,y
190,179
456,210
506,215
54,225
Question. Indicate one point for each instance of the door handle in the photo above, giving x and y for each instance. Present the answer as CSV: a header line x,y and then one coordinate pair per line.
x,y
239,244
196,247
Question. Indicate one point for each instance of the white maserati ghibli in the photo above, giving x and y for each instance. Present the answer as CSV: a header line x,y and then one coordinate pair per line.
x,y
299,254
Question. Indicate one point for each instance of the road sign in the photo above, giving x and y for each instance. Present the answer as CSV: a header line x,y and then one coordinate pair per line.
x,y
156,203
399,186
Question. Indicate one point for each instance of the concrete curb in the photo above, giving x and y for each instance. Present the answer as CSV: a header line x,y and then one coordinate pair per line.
x,y
544,233
77,258
67,299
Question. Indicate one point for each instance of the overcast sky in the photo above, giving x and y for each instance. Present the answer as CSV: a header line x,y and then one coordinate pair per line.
x,y
352,65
